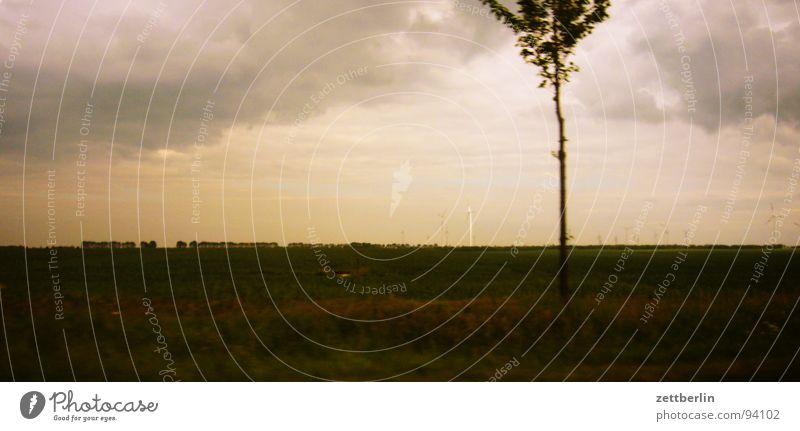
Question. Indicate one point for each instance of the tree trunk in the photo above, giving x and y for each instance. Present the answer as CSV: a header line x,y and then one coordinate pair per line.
x,y
562,169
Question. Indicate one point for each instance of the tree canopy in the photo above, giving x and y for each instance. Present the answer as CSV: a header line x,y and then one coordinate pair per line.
x,y
549,30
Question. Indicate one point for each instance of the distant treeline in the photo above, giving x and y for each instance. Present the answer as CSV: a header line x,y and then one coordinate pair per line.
x,y
207,244
118,244
362,245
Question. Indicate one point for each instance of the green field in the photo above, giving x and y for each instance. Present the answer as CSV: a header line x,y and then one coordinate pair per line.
x,y
274,314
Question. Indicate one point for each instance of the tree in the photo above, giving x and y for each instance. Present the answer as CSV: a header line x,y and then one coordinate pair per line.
x,y
547,33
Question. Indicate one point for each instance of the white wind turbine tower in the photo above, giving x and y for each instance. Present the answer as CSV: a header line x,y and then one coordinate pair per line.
x,y
442,230
469,215
773,217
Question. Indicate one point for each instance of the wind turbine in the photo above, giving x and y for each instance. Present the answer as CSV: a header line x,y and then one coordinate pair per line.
x,y
469,215
627,236
441,226
773,218
666,233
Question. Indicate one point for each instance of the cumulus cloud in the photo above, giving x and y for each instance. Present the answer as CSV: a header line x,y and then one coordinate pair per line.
x,y
660,51
155,65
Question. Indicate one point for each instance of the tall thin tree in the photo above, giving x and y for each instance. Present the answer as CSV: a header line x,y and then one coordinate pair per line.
x,y
547,33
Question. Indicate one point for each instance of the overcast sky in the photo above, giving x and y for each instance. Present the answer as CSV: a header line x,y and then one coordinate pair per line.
x,y
380,121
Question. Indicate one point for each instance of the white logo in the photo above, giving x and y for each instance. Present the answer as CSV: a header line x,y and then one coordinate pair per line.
x,y
31,404
401,179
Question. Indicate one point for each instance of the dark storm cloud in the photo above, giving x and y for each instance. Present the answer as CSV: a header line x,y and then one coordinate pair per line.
x,y
253,51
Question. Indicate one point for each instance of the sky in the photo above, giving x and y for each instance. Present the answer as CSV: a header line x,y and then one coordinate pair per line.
x,y
392,121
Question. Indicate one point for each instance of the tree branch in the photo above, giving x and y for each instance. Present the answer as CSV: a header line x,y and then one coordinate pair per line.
x,y
506,16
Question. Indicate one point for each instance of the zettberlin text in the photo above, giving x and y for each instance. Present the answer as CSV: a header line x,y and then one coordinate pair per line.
x,y
702,397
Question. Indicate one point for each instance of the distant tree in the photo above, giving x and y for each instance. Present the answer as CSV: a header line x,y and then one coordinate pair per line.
x,y
547,33
152,244
180,244
143,244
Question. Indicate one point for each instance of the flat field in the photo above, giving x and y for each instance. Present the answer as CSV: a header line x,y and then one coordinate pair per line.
x,y
336,313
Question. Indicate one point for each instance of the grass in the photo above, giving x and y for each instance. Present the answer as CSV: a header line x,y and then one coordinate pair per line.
x,y
276,315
